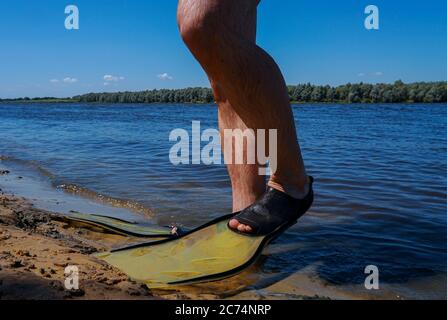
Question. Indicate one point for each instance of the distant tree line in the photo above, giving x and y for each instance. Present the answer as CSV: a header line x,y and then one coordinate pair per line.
x,y
188,95
39,99
398,92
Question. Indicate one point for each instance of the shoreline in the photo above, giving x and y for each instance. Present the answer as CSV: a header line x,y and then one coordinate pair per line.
x,y
210,104
397,92
35,249
36,246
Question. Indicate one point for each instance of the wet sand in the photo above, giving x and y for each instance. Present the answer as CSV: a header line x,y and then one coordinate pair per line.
x,y
35,251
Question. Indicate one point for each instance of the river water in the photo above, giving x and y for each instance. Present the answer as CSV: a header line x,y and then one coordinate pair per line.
x,y
381,181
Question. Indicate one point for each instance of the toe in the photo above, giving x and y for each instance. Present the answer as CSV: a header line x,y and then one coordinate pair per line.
x,y
241,228
234,224
248,229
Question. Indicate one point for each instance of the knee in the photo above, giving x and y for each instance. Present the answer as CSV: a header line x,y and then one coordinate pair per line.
x,y
198,25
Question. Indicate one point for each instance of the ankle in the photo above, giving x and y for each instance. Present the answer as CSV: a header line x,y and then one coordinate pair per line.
x,y
297,190
243,198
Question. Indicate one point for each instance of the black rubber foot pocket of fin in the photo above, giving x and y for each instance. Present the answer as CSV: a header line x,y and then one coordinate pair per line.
x,y
274,211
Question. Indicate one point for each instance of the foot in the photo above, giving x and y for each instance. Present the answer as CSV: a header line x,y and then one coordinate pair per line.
x,y
273,211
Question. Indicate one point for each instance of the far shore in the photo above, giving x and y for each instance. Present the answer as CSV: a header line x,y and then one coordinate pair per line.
x,y
72,101
351,93
55,100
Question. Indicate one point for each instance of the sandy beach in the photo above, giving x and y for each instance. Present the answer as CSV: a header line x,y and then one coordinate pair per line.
x,y
35,251
36,248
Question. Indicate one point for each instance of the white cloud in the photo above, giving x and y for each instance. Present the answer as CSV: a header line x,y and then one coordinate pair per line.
x,y
54,81
164,77
70,80
110,78
371,74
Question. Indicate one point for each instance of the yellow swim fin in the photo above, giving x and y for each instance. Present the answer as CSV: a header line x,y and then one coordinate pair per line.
x,y
211,252
117,226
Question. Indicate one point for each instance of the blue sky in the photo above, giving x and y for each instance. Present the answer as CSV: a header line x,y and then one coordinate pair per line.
x,y
136,41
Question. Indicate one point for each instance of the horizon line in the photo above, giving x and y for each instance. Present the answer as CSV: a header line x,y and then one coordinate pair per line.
x,y
209,88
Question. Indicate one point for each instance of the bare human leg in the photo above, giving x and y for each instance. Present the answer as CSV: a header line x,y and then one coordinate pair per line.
x,y
247,185
250,87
